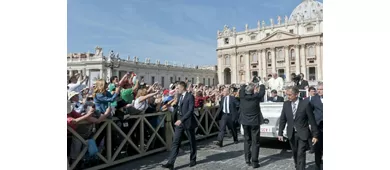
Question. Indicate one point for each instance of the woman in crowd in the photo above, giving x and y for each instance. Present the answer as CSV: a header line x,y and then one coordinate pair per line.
x,y
169,102
141,101
102,97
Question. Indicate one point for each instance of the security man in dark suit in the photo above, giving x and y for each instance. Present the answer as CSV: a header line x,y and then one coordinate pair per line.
x,y
185,122
298,114
317,104
303,83
227,114
274,97
251,118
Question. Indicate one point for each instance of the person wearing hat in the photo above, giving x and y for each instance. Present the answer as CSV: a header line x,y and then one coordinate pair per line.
x,y
74,98
251,118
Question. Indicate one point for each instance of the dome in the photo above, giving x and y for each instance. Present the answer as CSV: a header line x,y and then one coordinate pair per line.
x,y
306,10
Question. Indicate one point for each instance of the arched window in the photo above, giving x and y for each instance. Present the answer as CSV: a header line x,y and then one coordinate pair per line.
x,y
292,55
227,60
242,76
269,57
280,53
310,51
241,59
254,57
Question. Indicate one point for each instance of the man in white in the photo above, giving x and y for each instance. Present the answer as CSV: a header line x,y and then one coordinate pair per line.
x,y
276,83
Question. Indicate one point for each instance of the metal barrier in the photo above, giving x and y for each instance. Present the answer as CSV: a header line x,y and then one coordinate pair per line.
x,y
140,138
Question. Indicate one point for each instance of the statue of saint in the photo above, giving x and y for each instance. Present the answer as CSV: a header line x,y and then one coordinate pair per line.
x,y
285,19
279,20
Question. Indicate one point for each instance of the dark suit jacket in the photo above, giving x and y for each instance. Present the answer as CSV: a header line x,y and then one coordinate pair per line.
x,y
233,105
279,99
187,112
303,117
250,113
317,106
303,84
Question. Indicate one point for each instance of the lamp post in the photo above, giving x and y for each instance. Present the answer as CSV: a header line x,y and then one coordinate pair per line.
x,y
113,61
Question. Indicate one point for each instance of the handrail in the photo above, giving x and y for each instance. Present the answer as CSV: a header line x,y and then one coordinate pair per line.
x,y
141,136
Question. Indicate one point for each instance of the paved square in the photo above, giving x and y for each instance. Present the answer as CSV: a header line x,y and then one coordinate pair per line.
x,y
274,155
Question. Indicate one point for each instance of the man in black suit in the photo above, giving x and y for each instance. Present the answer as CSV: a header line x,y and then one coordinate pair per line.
x,y
251,118
298,114
185,122
274,97
317,104
303,84
227,114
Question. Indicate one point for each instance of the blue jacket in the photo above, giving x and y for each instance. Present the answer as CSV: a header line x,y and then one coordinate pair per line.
x,y
102,102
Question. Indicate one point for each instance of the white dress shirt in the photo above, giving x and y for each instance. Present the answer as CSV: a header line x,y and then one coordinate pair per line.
x,y
226,105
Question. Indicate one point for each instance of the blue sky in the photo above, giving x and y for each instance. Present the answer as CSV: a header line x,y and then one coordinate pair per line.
x,y
183,31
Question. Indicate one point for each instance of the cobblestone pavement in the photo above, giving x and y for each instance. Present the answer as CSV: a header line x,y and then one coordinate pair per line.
x,y
274,155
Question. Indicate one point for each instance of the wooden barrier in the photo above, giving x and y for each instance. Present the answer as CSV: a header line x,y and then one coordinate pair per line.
x,y
140,137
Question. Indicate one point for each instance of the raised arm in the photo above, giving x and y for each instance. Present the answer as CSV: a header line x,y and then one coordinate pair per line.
x,y
261,92
242,91
101,118
136,85
143,98
81,118
123,80
108,98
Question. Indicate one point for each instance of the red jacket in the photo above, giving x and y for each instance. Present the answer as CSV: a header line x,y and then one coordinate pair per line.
x,y
199,101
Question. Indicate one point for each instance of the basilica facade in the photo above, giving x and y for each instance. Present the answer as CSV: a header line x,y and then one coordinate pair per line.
x,y
286,45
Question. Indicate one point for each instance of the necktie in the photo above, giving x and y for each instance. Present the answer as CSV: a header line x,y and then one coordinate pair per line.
x,y
294,109
179,107
226,105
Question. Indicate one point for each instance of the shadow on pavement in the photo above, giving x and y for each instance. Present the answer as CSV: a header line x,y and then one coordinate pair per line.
x,y
312,166
216,157
276,157
274,144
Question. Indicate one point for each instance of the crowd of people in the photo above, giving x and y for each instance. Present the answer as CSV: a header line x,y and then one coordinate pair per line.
x,y
125,96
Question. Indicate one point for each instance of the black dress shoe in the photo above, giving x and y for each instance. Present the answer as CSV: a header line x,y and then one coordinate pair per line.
x,y
169,166
192,163
218,143
236,142
255,165
248,163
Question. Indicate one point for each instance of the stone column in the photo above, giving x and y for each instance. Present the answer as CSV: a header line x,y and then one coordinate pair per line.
x,y
259,64
297,59
101,74
220,70
247,67
287,61
115,72
233,65
273,52
303,60
319,60
264,63
109,73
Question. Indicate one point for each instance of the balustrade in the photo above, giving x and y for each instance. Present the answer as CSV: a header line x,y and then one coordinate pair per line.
x,y
139,136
